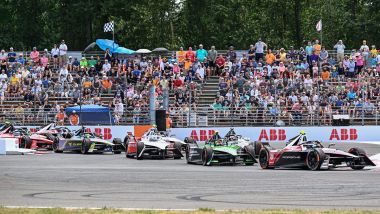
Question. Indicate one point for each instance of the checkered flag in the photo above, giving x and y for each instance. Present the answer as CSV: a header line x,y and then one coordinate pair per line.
x,y
108,27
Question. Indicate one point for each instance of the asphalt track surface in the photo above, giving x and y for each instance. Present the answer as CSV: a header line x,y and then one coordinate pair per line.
x,y
75,180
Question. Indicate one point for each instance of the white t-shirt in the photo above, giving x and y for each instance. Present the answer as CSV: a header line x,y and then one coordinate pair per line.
x,y
3,77
340,48
63,72
55,52
62,49
106,67
201,72
308,82
260,47
364,49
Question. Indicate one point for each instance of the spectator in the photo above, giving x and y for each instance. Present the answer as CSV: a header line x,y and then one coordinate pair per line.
x,y
106,85
92,62
220,63
35,55
83,62
231,54
339,50
201,54
62,53
324,55
106,67
260,47
61,117
364,49
212,55
181,56
270,58
3,55
190,56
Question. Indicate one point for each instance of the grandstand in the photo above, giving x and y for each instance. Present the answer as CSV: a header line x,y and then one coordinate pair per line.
x,y
289,90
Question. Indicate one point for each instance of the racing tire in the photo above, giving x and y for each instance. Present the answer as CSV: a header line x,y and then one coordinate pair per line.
x,y
125,142
117,145
187,154
257,147
139,150
25,142
55,146
249,149
177,154
356,164
207,155
85,146
264,159
314,159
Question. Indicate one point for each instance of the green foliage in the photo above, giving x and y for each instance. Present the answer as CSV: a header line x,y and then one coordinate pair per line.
x,y
174,23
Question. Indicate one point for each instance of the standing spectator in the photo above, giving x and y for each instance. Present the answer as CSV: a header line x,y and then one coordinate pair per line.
x,y
3,55
324,55
55,54
11,56
317,47
44,60
212,54
270,57
190,56
340,50
62,53
365,52
35,55
309,51
231,54
260,47
74,118
181,56
201,54
119,108
61,117
107,55
251,52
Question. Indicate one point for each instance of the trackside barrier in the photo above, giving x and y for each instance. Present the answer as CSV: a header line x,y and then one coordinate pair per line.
x,y
365,134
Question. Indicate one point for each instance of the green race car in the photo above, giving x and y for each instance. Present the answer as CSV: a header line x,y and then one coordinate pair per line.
x,y
219,150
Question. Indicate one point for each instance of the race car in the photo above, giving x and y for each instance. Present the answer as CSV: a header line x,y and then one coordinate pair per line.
x,y
153,144
228,150
81,141
302,153
25,138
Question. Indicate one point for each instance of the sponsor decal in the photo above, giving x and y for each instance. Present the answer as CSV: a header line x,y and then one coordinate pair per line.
x,y
202,135
343,134
274,135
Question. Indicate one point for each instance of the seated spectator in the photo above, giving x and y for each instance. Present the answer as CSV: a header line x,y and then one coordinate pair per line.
x,y
35,55
83,62
106,85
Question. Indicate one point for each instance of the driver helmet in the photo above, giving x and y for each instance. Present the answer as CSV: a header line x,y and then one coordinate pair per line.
x,y
87,136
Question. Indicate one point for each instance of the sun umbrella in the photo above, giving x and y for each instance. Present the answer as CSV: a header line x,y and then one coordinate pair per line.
x,y
90,46
106,43
123,50
143,51
160,50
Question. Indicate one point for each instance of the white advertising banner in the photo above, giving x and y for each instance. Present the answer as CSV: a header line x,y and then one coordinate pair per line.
x,y
281,134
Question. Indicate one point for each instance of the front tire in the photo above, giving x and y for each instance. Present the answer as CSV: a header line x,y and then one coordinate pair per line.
x,y
117,145
177,153
357,164
314,159
264,158
207,155
139,151
251,155
85,146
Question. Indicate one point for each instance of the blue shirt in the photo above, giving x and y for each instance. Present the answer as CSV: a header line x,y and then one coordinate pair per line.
x,y
351,95
201,54
21,61
309,50
45,83
136,73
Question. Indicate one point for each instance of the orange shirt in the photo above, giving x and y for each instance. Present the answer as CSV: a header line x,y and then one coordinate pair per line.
x,y
270,58
61,116
87,84
317,49
181,56
156,82
106,84
168,123
325,75
74,119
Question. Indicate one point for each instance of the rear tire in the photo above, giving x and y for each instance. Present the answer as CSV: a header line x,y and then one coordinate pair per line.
x,y
55,146
257,147
356,164
26,142
207,155
177,153
139,149
118,145
264,158
251,153
314,159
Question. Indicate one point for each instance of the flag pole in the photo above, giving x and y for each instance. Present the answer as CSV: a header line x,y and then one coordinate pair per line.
x,y
321,33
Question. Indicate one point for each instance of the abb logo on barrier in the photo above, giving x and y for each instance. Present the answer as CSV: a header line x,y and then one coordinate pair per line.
x,y
274,134
106,132
203,135
344,134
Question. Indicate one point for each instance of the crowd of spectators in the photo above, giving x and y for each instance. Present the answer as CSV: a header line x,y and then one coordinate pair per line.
x,y
296,85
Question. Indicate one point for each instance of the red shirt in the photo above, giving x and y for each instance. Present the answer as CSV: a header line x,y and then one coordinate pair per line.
x,y
190,55
177,83
220,61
